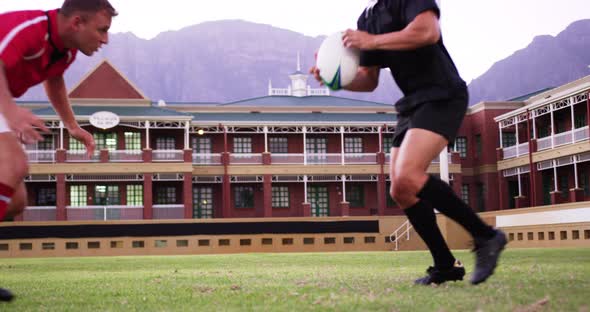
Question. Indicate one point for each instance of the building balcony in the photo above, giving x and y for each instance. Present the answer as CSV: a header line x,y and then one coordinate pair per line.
x,y
516,150
207,159
563,138
40,156
110,212
40,213
175,211
126,156
167,156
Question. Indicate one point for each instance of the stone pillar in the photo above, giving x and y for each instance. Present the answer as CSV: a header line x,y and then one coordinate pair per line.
x,y
556,198
520,202
60,156
104,156
60,193
188,156
187,194
266,159
576,195
344,209
148,209
147,155
306,209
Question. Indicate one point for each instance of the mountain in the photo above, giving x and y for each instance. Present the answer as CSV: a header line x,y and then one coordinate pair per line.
x,y
232,60
546,62
218,61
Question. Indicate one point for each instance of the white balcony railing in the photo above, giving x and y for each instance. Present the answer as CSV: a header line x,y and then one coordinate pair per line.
x,y
113,212
168,156
436,160
245,159
563,138
360,158
168,211
37,156
516,150
581,134
323,159
82,156
206,159
40,213
126,156
287,159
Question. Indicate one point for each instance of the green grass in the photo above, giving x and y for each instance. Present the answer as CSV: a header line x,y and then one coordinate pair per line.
x,y
527,280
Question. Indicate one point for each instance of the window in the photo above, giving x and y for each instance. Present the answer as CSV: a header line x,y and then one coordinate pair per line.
x,y
75,145
461,146
390,201
78,196
243,145
107,195
508,139
584,183
465,193
106,141
316,145
280,197
201,145
244,197
45,197
355,196
132,141
580,121
166,195
278,145
47,144
353,145
165,143
478,147
387,144
135,195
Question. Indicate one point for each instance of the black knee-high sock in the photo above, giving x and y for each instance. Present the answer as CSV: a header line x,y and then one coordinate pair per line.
x,y
444,199
422,218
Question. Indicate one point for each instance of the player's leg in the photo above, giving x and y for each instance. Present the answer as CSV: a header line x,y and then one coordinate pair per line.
x,y
18,202
418,149
13,168
444,118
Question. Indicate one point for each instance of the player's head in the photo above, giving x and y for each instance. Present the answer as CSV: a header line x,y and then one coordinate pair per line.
x,y
87,24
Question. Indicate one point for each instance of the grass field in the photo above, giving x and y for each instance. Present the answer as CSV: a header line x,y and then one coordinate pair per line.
x,y
527,280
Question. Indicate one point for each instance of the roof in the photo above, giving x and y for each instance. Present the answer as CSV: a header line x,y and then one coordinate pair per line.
x,y
306,101
294,117
122,111
525,97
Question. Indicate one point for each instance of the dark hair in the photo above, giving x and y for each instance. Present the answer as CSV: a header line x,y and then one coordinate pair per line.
x,y
86,6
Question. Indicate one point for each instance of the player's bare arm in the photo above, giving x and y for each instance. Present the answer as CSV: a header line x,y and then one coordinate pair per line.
x,y
366,80
55,88
20,120
422,31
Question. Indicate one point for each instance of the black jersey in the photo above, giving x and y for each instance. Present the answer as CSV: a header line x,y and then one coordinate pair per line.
x,y
424,74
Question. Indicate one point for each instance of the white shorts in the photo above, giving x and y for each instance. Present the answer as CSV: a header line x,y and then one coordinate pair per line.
x,y
3,125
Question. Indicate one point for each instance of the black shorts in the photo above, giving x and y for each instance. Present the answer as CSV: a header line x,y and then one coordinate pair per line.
x,y
442,117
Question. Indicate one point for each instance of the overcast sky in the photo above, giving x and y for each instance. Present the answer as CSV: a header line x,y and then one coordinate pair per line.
x,y
477,33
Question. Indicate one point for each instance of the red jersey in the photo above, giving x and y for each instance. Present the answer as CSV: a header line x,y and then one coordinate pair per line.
x,y
31,49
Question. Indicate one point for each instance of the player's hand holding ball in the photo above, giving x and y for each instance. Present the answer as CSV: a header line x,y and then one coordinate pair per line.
x,y
336,65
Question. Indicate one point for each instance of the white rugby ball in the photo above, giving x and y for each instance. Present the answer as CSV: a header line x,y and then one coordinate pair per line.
x,y
337,64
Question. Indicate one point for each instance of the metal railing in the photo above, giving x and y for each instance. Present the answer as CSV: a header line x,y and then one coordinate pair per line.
x,y
175,211
40,213
126,156
206,159
40,156
402,230
245,159
103,212
82,156
167,155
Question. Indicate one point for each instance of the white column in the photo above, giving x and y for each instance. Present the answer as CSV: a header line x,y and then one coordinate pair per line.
x,y
147,134
555,176
519,183
186,135
517,137
501,142
343,188
534,126
61,135
576,186
552,128
444,165
305,189
342,145
305,156
380,139
573,121
266,139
